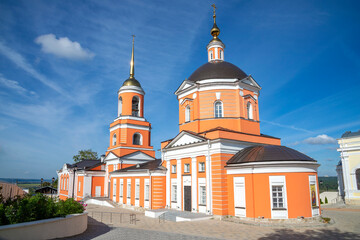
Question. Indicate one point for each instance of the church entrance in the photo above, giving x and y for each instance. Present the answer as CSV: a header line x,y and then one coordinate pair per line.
x,y
187,198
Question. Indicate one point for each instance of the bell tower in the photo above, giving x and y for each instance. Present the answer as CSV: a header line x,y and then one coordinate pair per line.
x,y
130,132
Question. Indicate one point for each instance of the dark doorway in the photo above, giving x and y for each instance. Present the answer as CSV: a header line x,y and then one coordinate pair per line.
x,y
187,198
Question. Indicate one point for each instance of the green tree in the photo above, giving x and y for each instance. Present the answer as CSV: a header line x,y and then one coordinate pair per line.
x,y
45,184
85,154
54,185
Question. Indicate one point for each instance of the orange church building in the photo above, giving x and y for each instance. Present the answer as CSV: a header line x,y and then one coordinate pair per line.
x,y
219,163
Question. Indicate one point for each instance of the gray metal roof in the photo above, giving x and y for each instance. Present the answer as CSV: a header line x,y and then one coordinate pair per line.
x,y
217,69
268,153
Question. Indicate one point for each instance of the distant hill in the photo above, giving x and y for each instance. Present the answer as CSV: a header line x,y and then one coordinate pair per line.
x,y
23,180
328,184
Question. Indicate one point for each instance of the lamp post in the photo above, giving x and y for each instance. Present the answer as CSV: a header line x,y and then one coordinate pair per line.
x,y
73,190
41,182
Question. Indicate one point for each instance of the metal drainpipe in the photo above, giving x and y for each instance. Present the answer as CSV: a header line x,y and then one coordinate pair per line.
x,y
73,190
150,189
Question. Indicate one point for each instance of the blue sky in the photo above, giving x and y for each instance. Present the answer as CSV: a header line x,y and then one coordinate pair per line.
x,y
304,54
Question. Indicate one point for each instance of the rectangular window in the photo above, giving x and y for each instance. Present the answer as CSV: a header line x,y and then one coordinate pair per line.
x,y
79,186
186,168
174,193
278,196
137,191
147,191
121,189
201,166
173,168
202,195
129,190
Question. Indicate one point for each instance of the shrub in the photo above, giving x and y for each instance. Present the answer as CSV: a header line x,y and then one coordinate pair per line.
x,y
37,207
326,200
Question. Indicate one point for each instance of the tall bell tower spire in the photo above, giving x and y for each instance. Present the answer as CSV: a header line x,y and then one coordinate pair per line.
x,y
216,47
132,63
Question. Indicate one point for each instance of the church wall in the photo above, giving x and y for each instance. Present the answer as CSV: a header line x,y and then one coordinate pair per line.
x,y
97,181
258,196
158,192
127,103
80,194
219,183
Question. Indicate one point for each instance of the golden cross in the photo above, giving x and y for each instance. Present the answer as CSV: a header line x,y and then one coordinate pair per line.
x,y
214,8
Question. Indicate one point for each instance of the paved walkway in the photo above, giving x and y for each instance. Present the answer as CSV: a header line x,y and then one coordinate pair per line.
x,y
346,226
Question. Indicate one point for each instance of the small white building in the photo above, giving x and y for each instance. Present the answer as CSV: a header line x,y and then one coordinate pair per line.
x,y
348,169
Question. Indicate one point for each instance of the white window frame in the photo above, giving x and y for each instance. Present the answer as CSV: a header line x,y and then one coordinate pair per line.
x,y
278,195
174,192
202,195
173,168
187,113
137,189
201,166
278,213
187,168
140,139
138,110
250,110
120,107
218,112
147,190
128,189
121,190
114,139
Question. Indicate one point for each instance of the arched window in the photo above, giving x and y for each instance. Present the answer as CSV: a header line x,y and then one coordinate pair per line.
x,y
218,109
114,140
187,114
120,107
211,54
357,174
250,111
137,139
220,53
135,106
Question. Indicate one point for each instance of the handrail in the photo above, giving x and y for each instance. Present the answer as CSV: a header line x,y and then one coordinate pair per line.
x,y
132,216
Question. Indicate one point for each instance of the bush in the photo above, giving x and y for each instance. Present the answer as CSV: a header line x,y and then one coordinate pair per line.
x,y
326,200
37,207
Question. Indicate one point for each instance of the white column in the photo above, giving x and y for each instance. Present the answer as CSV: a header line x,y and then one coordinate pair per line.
x,y
179,184
208,185
106,178
194,186
168,184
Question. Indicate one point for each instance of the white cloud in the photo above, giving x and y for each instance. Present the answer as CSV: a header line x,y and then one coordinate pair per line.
x,y
320,140
14,85
63,47
19,60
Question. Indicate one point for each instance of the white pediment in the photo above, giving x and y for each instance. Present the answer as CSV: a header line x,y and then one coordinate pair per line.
x,y
184,85
185,138
110,156
137,156
250,81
